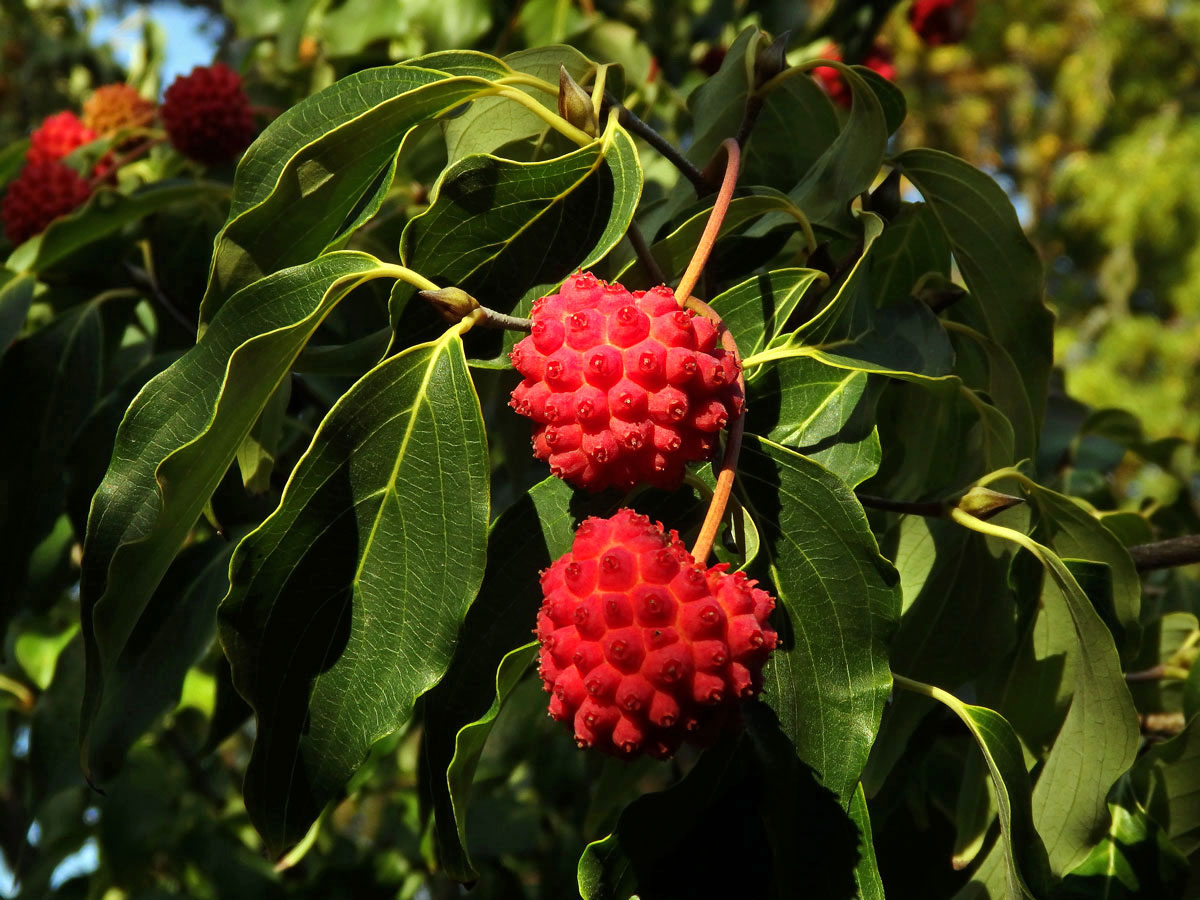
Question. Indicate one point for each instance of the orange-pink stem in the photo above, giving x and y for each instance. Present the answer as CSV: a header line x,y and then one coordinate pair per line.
x,y
733,158
733,446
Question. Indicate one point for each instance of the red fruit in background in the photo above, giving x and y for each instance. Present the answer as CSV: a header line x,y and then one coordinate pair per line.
x,y
642,648
115,107
878,60
207,114
57,136
941,22
623,388
41,193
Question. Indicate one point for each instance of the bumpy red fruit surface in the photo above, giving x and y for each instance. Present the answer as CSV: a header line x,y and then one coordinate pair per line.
x,y
57,136
941,22
642,648
41,193
207,114
878,60
115,107
623,388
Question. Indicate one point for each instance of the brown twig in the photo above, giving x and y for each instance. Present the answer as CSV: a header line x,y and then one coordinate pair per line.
x,y
632,123
929,508
644,255
1179,551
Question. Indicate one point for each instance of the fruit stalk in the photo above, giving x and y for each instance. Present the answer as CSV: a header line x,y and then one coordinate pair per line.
x,y
733,445
691,275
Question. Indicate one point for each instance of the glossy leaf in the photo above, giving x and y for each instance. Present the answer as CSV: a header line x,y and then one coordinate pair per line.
x,y
912,245
829,679
490,123
312,165
345,603
1098,739
998,263
179,437
756,311
50,381
508,232
1027,870
144,682
16,295
106,212
1168,783
826,413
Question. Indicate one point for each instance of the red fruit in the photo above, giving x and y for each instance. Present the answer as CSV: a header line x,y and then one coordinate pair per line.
x,y
41,193
57,136
115,107
878,60
941,22
207,114
642,647
623,388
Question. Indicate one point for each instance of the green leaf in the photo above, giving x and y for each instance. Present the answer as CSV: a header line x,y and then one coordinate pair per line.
x,y
815,839
106,212
50,382
348,28
1167,777
661,846
16,296
851,294
826,413
838,605
256,455
490,123
675,250
145,681
795,125
345,602
1026,867
179,437
849,166
912,245
311,166
756,311
959,607
998,263
468,746
1135,860
1099,737
1075,531
508,232
529,536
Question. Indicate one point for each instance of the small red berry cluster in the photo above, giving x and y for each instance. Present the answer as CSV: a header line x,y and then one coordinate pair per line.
x,y
642,646
206,114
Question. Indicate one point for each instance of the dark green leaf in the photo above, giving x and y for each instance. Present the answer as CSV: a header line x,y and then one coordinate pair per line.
x,y
313,164
756,310
179,437
912,245
16,296
345,603
145,680
106,212
825,413
838,604
998,263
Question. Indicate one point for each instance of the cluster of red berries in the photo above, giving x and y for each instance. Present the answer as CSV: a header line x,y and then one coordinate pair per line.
x,y
206,114
642,647
623,388
878,60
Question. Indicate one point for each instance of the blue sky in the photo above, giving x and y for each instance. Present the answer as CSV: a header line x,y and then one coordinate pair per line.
x,y
187,45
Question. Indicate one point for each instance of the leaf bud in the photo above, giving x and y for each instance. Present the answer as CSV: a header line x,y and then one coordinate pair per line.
x,y
983,503
575,104
453,303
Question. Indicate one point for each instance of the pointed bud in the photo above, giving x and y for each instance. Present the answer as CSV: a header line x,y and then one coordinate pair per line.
x,y
453,304
771,60
983,503
575,104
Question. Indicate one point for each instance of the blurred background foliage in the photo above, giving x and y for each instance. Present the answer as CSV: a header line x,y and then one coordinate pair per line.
x,y
1086,111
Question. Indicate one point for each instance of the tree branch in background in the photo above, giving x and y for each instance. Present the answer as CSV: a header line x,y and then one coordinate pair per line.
x,y
1180,551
